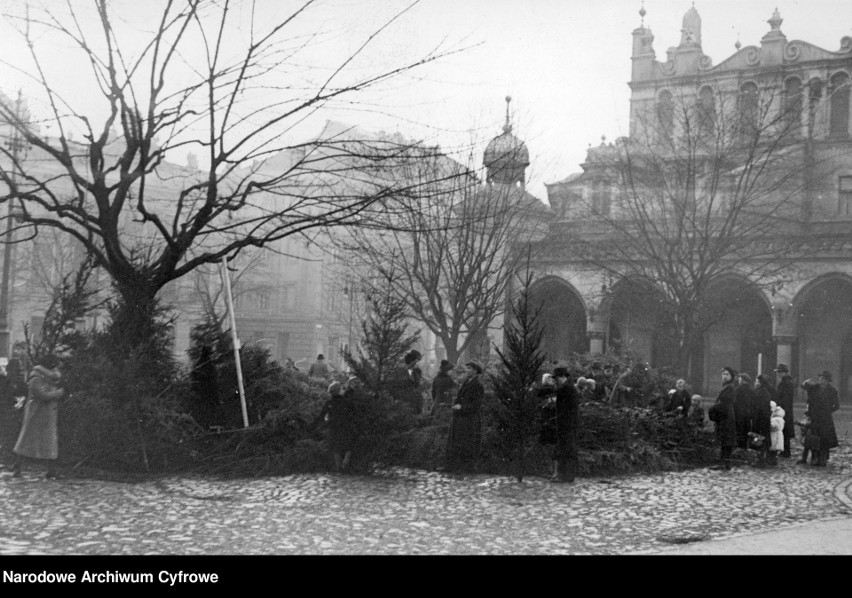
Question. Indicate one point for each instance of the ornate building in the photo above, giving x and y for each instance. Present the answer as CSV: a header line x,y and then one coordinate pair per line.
x,y
699,133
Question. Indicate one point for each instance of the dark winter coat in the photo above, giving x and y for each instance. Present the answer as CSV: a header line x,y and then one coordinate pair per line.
x,y
443,387
466,426
339,412
821,404
726,430
744,402
761,412
567,421
547,416
786,392
680,398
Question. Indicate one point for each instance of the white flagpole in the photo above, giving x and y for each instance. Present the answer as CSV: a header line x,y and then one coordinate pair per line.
x,y
229,300
759,363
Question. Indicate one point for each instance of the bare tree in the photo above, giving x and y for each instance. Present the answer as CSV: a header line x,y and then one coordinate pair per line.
x,y
709,185
448,251
210,78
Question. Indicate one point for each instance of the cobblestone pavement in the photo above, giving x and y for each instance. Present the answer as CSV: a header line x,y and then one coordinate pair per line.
x,y
414,512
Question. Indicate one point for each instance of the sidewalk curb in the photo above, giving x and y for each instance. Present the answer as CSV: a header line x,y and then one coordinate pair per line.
x,y
842,492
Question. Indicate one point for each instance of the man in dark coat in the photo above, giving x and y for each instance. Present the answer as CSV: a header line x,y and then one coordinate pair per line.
x,y
786,392
761,412
466,426
567,426
821,405
443,387
726,427
744,403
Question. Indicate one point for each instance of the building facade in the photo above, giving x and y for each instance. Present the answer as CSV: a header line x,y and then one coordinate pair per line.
x,y
779,109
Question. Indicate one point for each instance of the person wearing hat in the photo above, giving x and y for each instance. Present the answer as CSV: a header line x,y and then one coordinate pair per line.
x,y
443,386
338,413
786,393
567,426
319,368
822,402
466,426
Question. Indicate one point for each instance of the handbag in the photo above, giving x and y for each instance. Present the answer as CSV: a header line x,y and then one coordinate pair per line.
x,y
755,441
811,441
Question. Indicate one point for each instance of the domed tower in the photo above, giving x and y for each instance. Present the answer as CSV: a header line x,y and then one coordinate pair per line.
x,y
690,33
506,157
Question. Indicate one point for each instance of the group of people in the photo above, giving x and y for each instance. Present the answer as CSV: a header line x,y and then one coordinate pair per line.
x,y
759,416
39,396
460,403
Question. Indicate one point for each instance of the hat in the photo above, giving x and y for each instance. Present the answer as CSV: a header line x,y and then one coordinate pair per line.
x,y
782,367
476,365
320,356
412,356
445,366
826,374
334,388
582,382
351,379
560,371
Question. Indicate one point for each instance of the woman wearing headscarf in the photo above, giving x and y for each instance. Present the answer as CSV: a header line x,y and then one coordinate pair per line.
x,y
466,426
39,437
744,401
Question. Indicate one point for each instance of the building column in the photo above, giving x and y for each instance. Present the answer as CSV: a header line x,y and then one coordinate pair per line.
x,y
596,340
784,348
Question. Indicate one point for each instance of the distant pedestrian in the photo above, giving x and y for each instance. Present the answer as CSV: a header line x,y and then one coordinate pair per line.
x,y
547,420
463,442
596,375
39,438
338,413
696,412
586,389
443,389
567,426
744,401
786,392
821,405
724,416
319,369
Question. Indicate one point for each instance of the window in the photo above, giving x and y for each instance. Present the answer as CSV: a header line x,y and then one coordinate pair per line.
x,y
793,105
814,98
839,93
665,116
845,191
601,197
748,108
706,113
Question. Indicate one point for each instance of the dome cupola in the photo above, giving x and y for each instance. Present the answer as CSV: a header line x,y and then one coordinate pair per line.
x,y
506,157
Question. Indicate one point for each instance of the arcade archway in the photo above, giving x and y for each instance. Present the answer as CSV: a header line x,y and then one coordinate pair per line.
x,y
824,311
563,316
641,325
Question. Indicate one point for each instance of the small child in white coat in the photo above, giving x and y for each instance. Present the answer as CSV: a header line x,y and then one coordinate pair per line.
x,y
776,431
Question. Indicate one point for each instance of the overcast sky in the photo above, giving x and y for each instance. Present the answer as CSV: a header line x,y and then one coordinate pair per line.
x,y
565,63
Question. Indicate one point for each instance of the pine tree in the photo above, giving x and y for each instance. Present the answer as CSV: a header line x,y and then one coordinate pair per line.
x,y
515,383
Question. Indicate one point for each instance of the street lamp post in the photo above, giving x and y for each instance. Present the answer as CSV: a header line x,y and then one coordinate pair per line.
x,y
15,145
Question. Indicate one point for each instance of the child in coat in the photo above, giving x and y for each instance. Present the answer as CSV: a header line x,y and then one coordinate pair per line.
x,y
776,431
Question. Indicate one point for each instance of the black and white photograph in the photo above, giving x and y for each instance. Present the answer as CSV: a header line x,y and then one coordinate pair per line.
x,y
421,277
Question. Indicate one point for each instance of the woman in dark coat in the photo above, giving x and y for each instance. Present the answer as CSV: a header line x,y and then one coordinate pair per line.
x,y
466,425
726,427
821,405
744,401
786,392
